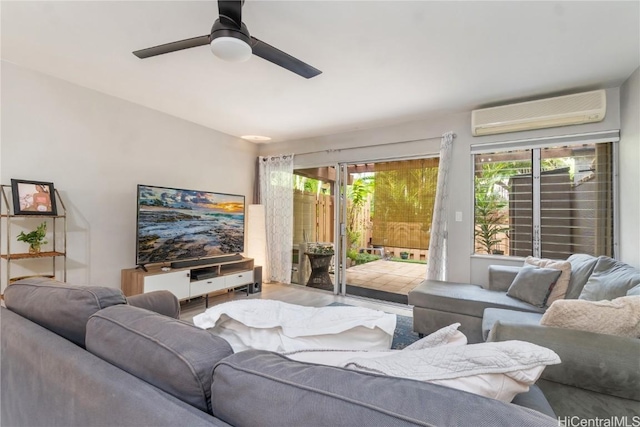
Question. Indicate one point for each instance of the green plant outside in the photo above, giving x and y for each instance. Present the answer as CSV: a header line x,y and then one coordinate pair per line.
x,y
410,261
489,215
309,185
363,258
358,194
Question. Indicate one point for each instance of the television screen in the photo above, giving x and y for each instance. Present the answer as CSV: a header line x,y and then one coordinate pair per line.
x,y
175,224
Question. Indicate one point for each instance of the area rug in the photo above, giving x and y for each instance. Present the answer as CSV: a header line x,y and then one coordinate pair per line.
x,y
403,335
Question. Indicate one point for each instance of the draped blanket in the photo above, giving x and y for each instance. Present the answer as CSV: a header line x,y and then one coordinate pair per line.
x,y
278,326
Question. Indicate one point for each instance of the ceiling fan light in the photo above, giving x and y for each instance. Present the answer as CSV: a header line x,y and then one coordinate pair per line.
x,y
230,49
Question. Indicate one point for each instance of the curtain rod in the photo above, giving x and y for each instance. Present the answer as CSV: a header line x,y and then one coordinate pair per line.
x,y
335,150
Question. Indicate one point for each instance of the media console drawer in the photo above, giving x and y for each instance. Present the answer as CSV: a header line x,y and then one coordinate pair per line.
x,y
238,279
176,282
205,286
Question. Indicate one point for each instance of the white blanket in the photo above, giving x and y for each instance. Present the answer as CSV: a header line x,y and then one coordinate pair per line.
x,y
446,362
496,370
278,326
499,370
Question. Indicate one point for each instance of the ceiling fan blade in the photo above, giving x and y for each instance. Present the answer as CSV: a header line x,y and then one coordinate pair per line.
x,y
231,12
278,57
172,47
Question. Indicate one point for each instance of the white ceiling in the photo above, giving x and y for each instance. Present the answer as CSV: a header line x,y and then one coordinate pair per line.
x,y
383,62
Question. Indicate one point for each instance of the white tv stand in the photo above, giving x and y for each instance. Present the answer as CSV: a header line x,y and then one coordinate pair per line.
x,y
190,282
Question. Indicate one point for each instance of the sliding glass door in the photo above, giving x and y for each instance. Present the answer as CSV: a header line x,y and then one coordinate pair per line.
x,y
363,228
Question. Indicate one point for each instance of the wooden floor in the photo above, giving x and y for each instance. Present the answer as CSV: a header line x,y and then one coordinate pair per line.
x,y
293,294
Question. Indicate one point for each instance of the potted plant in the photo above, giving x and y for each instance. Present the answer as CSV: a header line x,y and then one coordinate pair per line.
x,y
404,255
35,239
320,249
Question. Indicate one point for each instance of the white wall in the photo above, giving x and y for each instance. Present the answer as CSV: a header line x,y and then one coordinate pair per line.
x,y
630,170
463,267
95,149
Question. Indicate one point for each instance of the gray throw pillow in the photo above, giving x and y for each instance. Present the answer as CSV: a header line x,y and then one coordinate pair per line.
x,y
582,266
533,285
610,279
173,355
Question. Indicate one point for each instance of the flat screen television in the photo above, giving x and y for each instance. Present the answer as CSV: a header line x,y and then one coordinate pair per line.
x,y
175,224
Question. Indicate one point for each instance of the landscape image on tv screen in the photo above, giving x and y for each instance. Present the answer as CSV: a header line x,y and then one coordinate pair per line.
x,y
175,224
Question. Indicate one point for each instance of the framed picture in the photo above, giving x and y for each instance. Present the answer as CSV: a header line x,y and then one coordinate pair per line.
x,y
33,197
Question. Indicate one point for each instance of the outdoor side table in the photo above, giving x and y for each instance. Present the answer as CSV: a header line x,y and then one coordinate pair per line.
x,y
319,277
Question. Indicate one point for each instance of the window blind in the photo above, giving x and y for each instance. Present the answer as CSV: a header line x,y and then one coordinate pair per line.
x,y
548,202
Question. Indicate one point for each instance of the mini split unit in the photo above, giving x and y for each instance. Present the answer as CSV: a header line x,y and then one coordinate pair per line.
x,y
579,108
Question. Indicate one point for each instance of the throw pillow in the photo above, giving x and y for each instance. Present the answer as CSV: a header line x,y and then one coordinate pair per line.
x,y
533,285
610,279
559,291
582,266
618,317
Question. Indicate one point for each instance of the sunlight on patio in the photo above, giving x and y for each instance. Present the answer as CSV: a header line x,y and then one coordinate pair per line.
x,y
385,275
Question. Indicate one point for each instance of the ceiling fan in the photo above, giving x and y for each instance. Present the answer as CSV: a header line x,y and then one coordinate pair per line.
x,y
230,41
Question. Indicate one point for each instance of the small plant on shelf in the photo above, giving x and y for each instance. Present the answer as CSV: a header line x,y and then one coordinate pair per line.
x,y
35,239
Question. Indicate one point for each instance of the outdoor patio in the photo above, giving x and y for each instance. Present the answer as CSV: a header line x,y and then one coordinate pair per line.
x,y
388,276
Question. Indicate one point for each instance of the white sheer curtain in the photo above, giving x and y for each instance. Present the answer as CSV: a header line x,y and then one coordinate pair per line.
x,y
437,262
276,194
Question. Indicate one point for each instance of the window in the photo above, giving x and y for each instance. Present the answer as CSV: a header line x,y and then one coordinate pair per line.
x,y
548,202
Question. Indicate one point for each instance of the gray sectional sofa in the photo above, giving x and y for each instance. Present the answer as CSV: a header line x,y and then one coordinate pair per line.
x,y
599,375
86,356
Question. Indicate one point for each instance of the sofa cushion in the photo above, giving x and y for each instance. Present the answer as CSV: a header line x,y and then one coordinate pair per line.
x,y
463,298
355,398
610,279
618,317
60,307
581,267
601,363
173,355
492,315
535,399
559,290
534,285
162,302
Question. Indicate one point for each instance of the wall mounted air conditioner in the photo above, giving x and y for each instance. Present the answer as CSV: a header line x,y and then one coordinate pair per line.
x,y
587,107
